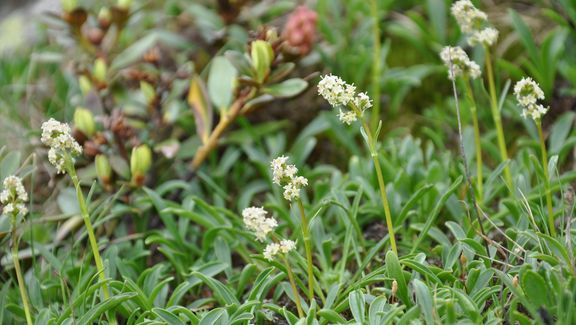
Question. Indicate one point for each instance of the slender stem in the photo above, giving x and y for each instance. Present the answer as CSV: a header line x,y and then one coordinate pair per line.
x,y
91,235
381,184
479,179
294,287
497,118
551,228
308,248
18,270
376,64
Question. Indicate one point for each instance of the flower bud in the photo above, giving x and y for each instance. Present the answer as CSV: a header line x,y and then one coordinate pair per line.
x,y
69,5
85,85
140,163
84,121
124,4
99,70
103,169
104,18
262,56
515,281
394,287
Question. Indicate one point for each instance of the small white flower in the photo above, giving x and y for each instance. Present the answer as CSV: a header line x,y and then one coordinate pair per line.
x,y
347,117
362,101
292,189
287,245
335,90
534,111
528,92
458,63
255,220
57,136
468,17
271,250
487,36
281,170
13,196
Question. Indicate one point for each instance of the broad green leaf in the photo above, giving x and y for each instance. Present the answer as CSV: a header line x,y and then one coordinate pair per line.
x,y
287,88
221,83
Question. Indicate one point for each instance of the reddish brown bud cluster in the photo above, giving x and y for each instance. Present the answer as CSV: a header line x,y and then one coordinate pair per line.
x,y
300,30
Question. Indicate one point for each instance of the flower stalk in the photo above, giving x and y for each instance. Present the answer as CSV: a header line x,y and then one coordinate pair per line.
x,y
477,143
18,270
308,249
544,156
294,287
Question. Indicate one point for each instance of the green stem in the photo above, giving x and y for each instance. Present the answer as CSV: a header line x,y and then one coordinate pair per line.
x,y
383,196
497,118
21,285
308,248
91,235
376,64
479,179
294,287
551,228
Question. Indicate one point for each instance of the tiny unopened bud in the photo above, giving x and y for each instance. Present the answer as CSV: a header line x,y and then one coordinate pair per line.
x,y
104,17
148,91
99,71
124,4
85,85
515,281
69,5
84,121
394,288
463,259
140,163
103,169
262,56
95,36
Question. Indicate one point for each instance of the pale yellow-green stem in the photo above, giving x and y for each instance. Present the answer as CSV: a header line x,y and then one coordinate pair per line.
x,y
477,144
551,227
294,287
383,196
18,271
376,64
91,236
308,248
497,118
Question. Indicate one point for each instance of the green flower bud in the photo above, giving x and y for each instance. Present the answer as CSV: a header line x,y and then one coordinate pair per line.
x,y
69,5
103,169
262,56
84,121
140,163
85,85
124,4
99,70
104,14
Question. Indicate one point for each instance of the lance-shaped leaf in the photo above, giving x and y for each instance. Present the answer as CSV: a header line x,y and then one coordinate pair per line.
x,y
287,88
201,107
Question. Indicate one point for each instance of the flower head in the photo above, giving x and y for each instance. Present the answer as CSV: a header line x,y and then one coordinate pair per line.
x,y
458,63
335,90
468,17
284,174
271,250
56,135
487,36
255,219
13,196
347,117
527,93
287,245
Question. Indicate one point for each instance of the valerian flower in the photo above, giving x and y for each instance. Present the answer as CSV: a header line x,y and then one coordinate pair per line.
x,y
343,96
13,196
528,92
487,36
472,22
283,247
458,63
63,146
284,174
255,219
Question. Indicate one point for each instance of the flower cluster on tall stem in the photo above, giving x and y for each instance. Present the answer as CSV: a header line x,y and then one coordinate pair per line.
x,y
284,174
352,106
63,149
13,198
255,220
527,93
474,23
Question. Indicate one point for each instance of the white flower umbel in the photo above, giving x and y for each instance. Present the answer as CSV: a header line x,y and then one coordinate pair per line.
x,y
335,90
458,63
284,174
527,92
487,36
534,111
287,245
347,117
468,17
255,219
271,250
56,135
13,196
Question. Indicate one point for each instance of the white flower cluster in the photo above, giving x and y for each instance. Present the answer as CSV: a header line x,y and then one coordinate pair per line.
x,y
13,196
340,94
458,63
255,220
57,136
273,249
284,175
527,93
472,21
